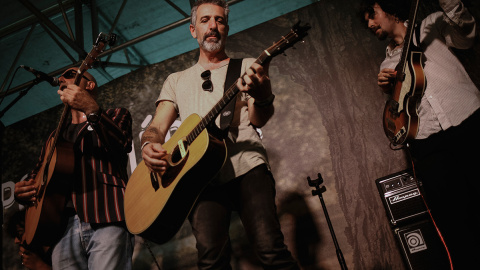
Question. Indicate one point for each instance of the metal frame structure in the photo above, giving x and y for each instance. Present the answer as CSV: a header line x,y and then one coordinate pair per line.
x,y
76,41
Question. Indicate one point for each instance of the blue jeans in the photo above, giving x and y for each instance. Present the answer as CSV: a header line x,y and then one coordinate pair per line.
x,y
93,246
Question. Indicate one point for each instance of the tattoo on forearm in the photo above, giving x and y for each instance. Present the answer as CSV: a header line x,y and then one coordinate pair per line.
x,y
150,134
153,135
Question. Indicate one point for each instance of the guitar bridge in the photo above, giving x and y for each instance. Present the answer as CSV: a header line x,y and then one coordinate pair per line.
x,y
399,134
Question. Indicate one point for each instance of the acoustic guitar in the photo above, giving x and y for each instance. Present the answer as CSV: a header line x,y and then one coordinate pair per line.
x,y
44,222
156,205
400,116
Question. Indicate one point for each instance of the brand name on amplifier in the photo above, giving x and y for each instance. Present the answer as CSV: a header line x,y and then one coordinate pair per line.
x,y
404,196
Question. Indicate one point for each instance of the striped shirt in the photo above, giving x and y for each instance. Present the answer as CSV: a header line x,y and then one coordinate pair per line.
x,y
100,176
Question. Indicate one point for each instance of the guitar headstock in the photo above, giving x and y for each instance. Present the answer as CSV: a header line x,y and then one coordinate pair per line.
x,y
106,38
297,33
100,43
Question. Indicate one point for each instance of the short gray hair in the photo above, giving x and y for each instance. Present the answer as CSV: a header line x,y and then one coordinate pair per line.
x,y
220,3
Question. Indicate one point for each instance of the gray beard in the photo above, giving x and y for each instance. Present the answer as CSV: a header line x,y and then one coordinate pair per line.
x,y
211,46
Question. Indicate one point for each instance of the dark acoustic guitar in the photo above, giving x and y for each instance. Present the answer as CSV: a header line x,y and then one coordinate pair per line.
x,y
400,116
157,205
44,222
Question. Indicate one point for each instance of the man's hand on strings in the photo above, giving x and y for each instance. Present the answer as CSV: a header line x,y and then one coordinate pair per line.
x,y
154,155
25,191
256,82
386,78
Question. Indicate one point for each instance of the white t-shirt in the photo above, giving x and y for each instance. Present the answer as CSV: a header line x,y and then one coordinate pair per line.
x,y
244,146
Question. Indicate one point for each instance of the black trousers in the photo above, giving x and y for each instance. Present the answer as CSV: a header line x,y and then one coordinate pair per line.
x,y
448,164
253,196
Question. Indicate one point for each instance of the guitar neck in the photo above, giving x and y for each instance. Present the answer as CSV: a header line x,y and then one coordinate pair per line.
x,y
296,34
61,125
409,34
228,96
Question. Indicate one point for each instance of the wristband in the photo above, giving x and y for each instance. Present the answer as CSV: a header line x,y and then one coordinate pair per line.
x,y
144,144
265,103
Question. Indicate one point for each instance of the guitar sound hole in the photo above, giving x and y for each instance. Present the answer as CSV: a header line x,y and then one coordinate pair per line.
x,y
176,156
177,160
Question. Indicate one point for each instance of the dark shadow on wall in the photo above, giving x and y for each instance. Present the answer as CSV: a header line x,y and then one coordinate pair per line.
x,y
306,236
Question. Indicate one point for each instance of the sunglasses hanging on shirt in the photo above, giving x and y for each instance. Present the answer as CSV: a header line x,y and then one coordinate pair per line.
x,y
207,85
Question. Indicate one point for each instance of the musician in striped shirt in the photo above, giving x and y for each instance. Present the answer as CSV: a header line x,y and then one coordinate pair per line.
x,y
96,236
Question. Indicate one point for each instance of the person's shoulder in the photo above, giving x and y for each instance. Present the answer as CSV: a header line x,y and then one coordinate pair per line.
x,y
433,18
175,77
184,72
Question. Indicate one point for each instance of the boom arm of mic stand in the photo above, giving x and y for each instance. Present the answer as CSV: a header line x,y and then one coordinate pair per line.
x,y
20,95
318,192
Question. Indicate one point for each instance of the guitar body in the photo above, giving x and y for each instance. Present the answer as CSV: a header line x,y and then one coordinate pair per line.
x,y
400,116
155,205
44,222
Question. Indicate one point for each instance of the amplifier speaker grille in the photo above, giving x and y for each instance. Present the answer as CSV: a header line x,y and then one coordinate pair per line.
x,y
421,247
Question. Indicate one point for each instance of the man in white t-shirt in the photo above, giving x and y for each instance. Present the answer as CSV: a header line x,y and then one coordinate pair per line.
x,y
245,183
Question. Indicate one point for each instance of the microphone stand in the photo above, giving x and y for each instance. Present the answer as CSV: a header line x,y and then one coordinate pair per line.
x,y
20,95
318,191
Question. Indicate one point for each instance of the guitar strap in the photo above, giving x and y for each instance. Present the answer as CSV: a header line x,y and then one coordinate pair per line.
x,y
233,73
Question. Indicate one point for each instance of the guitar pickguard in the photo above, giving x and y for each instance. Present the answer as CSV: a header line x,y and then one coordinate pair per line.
x,y
404,90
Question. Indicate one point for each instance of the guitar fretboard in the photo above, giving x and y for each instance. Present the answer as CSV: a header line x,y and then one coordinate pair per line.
x,y
408,35
297,33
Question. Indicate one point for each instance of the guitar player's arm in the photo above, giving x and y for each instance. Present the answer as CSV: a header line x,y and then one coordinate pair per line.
x,y
114,126
458,25
386,78
256,83
154,136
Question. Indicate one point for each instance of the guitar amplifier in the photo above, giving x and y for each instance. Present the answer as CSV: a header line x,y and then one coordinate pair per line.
x,y
401,197
421,246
